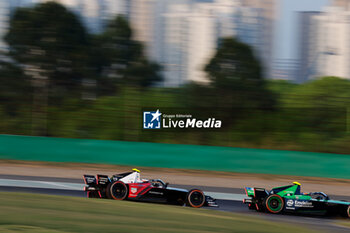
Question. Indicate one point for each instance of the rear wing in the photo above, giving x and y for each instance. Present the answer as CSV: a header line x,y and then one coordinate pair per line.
x,y
98,180
256,192
249,191
90,180
103,179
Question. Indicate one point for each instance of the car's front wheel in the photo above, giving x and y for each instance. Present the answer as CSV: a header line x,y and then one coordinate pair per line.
x,y
348,212
118,190
195,198
274,204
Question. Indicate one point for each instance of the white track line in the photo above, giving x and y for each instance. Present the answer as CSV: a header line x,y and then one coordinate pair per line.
x,y
41,184
226,196
80,187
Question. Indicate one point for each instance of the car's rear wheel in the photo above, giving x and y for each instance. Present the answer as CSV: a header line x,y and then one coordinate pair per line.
x,y
108,191
118,190
348,212
274,204
195,198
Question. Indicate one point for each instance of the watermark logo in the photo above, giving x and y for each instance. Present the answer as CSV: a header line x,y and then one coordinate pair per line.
x,y
152,120
166,120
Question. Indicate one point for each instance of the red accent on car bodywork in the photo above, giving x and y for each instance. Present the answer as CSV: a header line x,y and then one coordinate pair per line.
x,y
99,193
136,189
97,179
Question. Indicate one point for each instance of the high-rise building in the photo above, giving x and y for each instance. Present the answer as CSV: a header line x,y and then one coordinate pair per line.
x,y
326,44
345,4
183,35
146,21
94,13
143,19
202,41
332,44
268,10
118,7
186,42
173,43
221,19
307,52
4,20
285,69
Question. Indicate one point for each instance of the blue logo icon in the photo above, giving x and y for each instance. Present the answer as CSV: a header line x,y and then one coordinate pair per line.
x,y
151,120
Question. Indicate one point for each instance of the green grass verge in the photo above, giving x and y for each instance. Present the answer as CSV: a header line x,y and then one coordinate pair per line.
x,y
44,213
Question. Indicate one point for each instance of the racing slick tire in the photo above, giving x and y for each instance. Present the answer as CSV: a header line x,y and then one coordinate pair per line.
x,y
348,211
195,198
118,190
108,191
274,204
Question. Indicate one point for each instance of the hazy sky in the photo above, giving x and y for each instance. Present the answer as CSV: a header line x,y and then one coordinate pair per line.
x,y
287,25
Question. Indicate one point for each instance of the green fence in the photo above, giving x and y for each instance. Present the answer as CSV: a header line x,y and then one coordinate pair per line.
x,y
175,156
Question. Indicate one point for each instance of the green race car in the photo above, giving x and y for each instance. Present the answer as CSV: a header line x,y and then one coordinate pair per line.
x,y
289,198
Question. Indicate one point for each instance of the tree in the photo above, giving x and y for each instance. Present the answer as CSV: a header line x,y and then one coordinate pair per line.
x,y
51,43
121,59
236,73
320,105
143,73
234,62
236,82
15,88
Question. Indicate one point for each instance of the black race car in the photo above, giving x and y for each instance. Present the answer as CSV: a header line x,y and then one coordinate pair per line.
x,y
129,186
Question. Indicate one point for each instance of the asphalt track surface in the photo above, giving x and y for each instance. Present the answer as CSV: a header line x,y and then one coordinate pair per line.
x,y
317,223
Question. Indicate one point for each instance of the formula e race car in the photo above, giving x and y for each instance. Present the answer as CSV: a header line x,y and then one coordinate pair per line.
x,y
290,199
130,186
